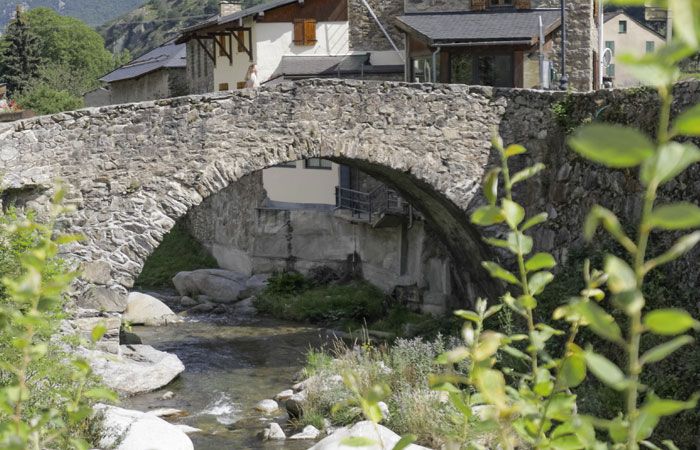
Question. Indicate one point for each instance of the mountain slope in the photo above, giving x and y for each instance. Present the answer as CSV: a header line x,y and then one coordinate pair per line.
x,y
92,12
155,22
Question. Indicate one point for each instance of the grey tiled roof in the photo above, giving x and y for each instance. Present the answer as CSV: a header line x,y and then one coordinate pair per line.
x,y
483,26
310,66
169,55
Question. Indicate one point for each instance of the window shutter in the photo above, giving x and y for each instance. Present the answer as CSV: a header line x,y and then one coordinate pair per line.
x,y
222,45
241,38
309,32
299,31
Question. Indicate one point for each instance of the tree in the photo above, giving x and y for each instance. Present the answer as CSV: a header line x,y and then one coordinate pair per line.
x,y
44,99
20,58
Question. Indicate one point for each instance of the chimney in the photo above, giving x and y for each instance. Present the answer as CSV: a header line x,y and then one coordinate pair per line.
x,y
229,7
523,4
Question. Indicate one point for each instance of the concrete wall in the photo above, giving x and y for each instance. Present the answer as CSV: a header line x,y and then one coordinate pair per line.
x,y
301,185
246,238
633,42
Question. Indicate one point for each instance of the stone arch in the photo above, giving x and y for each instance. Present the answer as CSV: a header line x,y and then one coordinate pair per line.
x,y
132,170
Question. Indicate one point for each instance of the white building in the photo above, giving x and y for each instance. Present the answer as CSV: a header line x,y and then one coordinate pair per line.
x,y
625,35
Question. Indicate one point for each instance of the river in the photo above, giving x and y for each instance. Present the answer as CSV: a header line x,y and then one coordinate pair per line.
x,y
231,363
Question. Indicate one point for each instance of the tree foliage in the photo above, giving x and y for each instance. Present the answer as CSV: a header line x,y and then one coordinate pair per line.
x,y
20,58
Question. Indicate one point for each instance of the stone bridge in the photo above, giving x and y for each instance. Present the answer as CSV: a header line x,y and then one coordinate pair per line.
x,y
133,170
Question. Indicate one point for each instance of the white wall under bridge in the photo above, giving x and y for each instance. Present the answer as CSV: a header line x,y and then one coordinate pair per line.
x,y
299,182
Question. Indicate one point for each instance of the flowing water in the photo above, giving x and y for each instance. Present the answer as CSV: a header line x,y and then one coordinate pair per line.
x,y
231,363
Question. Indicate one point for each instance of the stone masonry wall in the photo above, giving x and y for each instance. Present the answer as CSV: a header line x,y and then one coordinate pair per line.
x,y
365,34
133,170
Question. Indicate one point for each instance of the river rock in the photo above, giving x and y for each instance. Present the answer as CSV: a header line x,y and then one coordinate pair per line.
x,y
186,301
140,368
309,432
167,412
188,429
295,405
127,338
267,406
365,429
168,395
284,395
221,285
255,284
143,309
86,320
275,432
124,429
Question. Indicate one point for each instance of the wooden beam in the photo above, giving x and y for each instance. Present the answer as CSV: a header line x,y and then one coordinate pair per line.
x,y
221,47
198,38
241,42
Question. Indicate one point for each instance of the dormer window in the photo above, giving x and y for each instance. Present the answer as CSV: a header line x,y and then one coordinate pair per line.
x,y
496,3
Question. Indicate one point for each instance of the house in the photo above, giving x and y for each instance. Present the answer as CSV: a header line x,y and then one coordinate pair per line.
x,y
623,34
497,42
286,39
157,74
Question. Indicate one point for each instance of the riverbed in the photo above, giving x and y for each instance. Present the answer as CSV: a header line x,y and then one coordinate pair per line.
x,y
231,363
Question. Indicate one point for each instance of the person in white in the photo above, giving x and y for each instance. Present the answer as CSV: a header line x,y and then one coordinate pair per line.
x,y
3,102
251,78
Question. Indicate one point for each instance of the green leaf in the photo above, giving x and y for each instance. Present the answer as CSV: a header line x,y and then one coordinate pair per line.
x,y
602,323
573,370
645,423
669,322
514,352
526,173
519,243
533,221
468,315
661,351
650,70
675,216
684,26
543,382
688,123
561,406
678,249
567,442
405,442
358,441
499,272
515,149
671,159
621,277
539,281
612,145
540,261
102,394
631,302
487,215
491,185
98,332
606,371
663,407
512,212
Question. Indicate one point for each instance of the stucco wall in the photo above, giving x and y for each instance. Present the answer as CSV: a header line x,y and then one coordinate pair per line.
x,y
301,185
633,42
152,86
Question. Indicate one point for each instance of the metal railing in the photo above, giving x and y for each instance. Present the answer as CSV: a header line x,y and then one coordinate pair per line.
x,y
370,205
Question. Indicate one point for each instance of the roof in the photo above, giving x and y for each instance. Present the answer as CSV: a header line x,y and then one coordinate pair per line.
x,y
320,66
223,20
169,55
612,14
479,26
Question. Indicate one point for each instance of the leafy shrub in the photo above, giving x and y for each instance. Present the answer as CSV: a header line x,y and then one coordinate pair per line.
x,y
45,394
287,283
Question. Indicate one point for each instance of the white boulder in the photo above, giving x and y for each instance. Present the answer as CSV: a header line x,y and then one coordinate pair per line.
x,y
125,429
275,432
140,368
284,395
167,412
384,438
219,285
267,406
309,432
143,309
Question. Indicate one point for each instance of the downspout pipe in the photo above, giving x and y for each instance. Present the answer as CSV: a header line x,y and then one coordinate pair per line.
x,y
435,55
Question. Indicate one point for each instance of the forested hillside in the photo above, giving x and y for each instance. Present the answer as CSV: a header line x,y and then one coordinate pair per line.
x,y
92,12
155,22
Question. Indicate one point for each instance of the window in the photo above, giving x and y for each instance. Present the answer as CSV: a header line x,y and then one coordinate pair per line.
x,y
241,41
622,27
288,165
500,2
223,86
305,32
485,70
610,71
422,71
611,46
318,163
650,46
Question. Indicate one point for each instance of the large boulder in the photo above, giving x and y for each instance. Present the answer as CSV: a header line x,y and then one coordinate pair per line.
x,y
219,285
143,309
140,368
384,438
124,429
255,284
